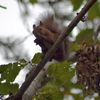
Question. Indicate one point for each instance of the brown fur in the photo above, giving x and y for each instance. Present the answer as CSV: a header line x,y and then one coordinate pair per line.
x,y
46,34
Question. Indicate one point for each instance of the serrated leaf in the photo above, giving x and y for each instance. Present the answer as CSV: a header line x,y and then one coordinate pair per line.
x,y
94,12
76,3
6,88
37,58
85,35
11,70
33,1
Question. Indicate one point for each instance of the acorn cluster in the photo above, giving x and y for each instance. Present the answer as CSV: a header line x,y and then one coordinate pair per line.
x,y
88,67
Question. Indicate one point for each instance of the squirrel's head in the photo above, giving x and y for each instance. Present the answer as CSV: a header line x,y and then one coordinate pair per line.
x,y
42,32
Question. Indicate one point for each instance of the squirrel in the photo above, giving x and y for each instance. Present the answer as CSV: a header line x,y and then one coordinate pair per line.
x,y
46,33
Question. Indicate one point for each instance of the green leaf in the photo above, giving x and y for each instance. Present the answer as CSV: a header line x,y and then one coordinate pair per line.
x,y
50,92
11,70
94,12
3,68
6,88
33,1
97,98
61,72
85,35
37,58
76,4
78,97
75,47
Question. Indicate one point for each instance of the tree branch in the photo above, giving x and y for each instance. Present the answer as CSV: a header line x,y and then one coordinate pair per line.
x,y
49,54
37,83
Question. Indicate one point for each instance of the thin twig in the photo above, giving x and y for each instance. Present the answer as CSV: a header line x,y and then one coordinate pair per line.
x,y
3,7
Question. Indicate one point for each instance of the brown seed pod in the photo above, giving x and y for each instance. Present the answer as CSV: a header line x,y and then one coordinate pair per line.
x,y
88,67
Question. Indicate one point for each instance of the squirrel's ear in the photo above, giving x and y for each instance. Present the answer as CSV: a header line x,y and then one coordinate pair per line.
x,y
41,23
34,26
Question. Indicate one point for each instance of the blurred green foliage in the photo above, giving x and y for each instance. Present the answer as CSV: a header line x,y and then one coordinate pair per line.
x,y
33,1
76,4
8,74
62,74
85,35
37,58
94,12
